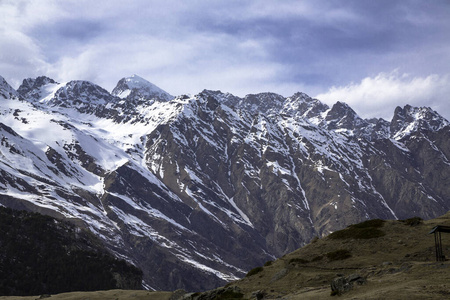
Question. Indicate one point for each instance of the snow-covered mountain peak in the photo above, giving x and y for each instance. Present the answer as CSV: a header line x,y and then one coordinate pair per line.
x,y
138,88
252,103
7,91
37,89
342,116
302,105
79,93
411,119
341,109
263,102
215,94
29,84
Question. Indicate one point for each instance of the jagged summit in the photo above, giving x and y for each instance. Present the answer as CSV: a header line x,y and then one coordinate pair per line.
x,y
304,106
300,104
342,116
262,102
37,88
138,88
81,95
412,119
84,96
7,91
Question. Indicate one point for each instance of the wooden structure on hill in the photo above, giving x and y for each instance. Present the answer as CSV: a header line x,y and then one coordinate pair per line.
x,y
438,240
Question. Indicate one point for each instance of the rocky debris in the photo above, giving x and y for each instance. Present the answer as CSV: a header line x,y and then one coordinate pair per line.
x,y
283,272
178,294
342,284
259,294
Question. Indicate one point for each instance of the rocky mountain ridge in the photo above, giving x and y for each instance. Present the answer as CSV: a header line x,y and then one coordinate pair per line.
x,y
197,190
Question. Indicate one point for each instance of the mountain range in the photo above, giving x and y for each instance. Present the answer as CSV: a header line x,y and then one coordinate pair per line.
x,y
197,190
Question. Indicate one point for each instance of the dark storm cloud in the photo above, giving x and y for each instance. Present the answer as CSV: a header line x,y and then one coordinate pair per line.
x,y
65,35
334,36
75,29
371,36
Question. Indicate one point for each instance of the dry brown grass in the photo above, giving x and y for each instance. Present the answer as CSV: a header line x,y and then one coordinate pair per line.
x,y
400,264
101,295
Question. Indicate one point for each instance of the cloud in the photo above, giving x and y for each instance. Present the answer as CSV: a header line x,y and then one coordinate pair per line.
x,y
19,55
235,46
184,65
378,96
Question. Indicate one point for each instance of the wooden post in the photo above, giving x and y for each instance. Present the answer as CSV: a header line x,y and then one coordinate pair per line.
x,y
438,241
438,246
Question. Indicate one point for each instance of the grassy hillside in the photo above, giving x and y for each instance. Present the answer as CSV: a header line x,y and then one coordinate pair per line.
x,y
395,259
99,295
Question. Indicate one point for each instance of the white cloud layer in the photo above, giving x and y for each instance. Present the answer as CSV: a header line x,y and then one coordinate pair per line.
x,y
378,96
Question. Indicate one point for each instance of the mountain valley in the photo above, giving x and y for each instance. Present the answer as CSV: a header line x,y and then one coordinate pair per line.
x,y
197,190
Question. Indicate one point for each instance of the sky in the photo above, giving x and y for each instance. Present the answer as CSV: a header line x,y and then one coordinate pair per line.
x,y
373,55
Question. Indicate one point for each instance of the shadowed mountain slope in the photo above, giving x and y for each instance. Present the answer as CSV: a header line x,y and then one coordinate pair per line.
x,y
41,255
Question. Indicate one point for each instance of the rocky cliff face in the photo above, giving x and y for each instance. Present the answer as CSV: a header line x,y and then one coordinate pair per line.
x,y
198,190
